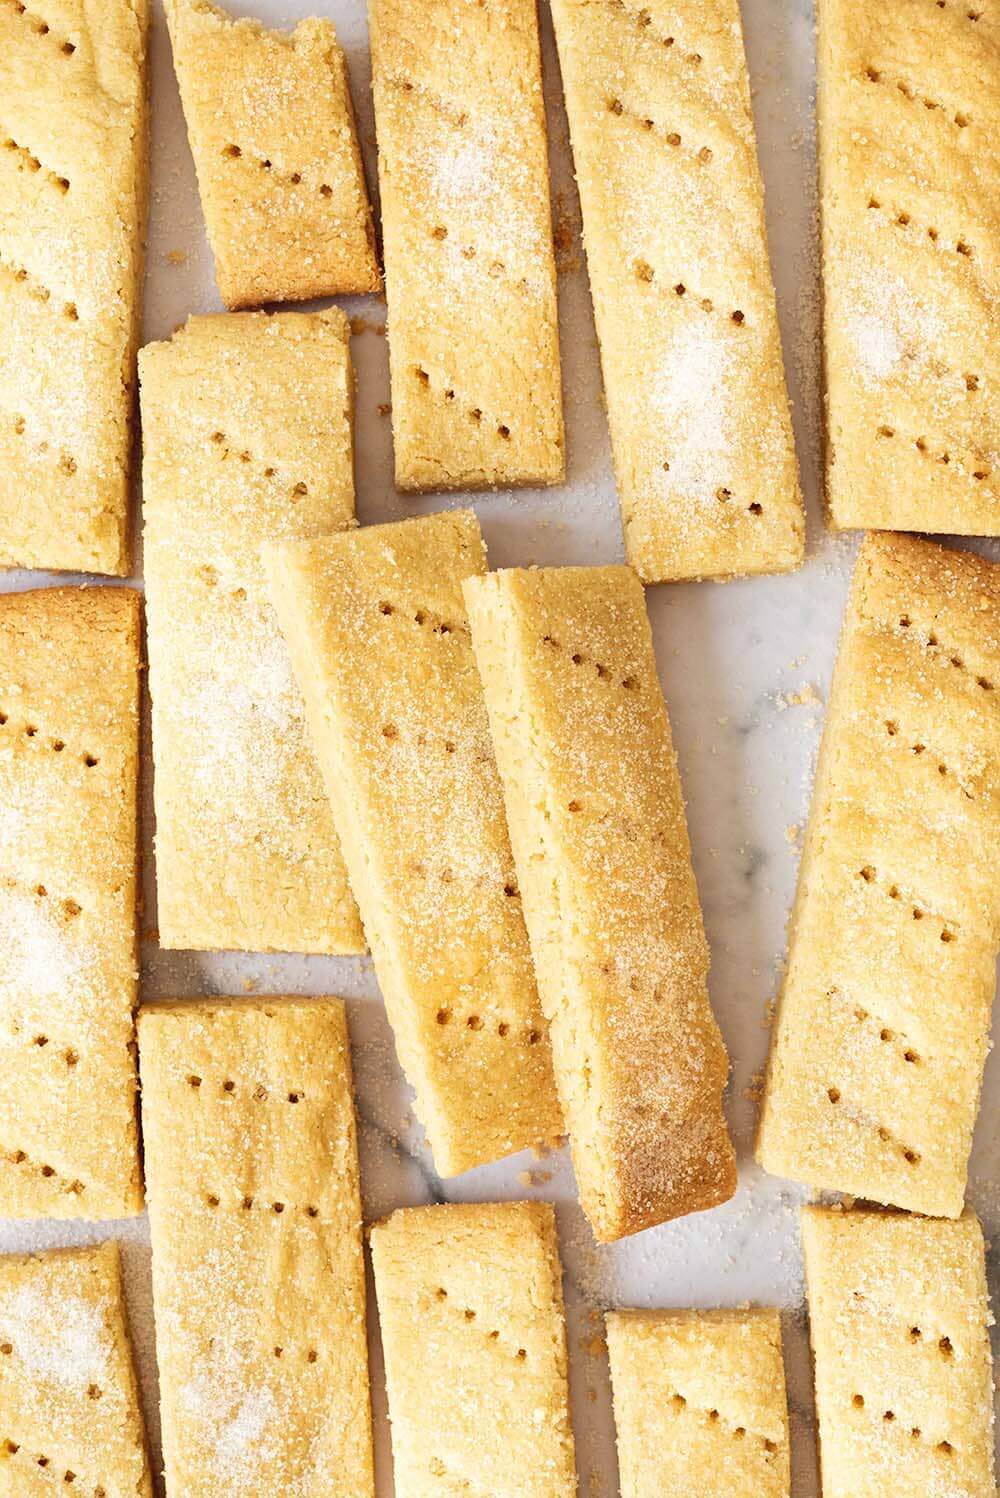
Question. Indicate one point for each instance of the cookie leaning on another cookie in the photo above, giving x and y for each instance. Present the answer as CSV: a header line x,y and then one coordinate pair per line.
x,y
380,644
601,847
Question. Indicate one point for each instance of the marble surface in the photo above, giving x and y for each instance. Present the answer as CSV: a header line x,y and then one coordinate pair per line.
x,y
745,668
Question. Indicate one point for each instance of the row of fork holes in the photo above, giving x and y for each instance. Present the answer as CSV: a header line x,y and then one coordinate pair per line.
x,y
41,27
497,268
18,1157
887,1037
915,1335
911,1156
943,458
227,1089
247,1204
298,490
42,294
892,729
475,412
67,463
31,163
678,1402
630,683
11,1448
469,1315
933,643
874,76
476,1022
903,220
673,137
233,153
645,272
870,876
56,745
420,617
970,15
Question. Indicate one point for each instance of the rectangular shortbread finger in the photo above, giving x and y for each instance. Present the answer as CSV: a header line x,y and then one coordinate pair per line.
x,y
909,122
473,1293
258,1275
272,133
601,848
700,1404
673,218
469,262
898,1316
73,138
380,645
247,431
69,741
882,1027
69,1402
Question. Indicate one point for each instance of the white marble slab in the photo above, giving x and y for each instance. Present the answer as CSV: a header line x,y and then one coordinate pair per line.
x,y
745,668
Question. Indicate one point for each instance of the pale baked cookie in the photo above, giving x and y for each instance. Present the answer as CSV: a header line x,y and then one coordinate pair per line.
x,y
909,144
882,1027
380,645
471,1309
899,1317
70,1416
72,213
258,1276
700,1404
247,431
673,219
272,133
69,689
601,848
470,268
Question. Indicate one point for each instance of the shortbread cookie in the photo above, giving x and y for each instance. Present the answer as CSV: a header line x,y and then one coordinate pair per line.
x,y
258,1275
898,1315
380,644
69,731
471,1309
470,268
604,866
673,220
909,125
69,1403
73,143
274,142
882,1027
247,437
700,1404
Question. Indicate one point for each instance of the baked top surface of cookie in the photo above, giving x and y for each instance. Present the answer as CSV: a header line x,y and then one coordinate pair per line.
x,y
673,219
700,1403
258,1276
69,1404
470,267
475,1290
882,1028
69,687
72,215
909,134
272,132
600,839
247,422
899,1320
380,644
